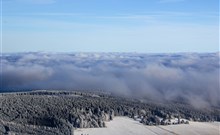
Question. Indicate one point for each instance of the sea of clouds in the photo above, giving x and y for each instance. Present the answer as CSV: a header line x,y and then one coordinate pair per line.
x,y
192,77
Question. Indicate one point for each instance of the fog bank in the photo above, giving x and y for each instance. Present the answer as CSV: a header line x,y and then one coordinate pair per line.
x,y
191,77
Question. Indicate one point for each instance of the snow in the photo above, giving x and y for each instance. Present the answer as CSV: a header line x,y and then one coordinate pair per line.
x,y
127,126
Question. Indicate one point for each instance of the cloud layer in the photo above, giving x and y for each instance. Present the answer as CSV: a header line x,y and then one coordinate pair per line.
x,y
191,77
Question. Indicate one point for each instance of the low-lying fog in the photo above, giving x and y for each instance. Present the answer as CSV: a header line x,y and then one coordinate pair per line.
x,y
191,77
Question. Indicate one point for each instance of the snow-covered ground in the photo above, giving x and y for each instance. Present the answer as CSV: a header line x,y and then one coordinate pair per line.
x,y
127,126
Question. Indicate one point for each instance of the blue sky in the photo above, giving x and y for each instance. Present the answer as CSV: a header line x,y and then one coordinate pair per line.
x,y
150,26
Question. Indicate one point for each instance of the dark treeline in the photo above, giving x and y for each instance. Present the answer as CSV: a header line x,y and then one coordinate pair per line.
x,y
54,112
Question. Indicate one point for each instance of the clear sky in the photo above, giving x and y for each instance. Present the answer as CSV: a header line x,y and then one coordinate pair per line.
x,y
150,26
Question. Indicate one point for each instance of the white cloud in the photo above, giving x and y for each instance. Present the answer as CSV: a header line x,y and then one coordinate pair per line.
x,y
53,14
37,1
170,1
165,76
